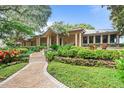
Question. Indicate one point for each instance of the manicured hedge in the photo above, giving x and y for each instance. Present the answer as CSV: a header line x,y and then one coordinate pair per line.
x,y
71,51
50,55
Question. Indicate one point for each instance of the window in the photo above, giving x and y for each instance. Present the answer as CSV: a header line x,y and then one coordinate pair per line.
x,y
105,38
85,39
113,38
97,39
90,39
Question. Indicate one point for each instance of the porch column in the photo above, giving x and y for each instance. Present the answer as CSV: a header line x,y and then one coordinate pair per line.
x,y
22,44
101,39
62,43
108,38
76,39
38,41
87,39
80,39
26,43
48,41
117,40
57,39
94,40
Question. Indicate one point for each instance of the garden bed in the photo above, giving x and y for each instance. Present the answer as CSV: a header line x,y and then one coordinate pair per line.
x,y
86,62
85,77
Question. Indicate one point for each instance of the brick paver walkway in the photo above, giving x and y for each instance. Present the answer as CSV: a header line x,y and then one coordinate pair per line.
x,y
32,76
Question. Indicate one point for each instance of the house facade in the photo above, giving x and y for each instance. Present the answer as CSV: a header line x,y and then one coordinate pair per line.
x,y
77,37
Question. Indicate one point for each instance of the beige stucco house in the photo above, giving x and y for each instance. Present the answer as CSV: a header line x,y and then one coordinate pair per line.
x,y
77,37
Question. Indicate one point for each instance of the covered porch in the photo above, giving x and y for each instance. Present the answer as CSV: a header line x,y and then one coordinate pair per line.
x,y
110,38
72,38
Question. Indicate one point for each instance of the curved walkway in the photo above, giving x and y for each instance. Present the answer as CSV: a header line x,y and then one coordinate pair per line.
x,y
34,75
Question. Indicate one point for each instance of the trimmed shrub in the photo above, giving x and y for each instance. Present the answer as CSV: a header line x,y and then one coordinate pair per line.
x,y
120,63
55,47
88,54
50,55
22,50
120,67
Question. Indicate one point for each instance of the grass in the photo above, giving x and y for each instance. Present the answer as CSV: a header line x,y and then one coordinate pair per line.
x,y
9,70
85,77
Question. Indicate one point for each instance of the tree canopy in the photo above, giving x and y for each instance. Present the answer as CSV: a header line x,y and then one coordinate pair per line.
x,y
17,22
117,16
61,27
34,16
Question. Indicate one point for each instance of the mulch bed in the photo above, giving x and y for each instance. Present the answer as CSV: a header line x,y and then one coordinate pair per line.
x,y
86,62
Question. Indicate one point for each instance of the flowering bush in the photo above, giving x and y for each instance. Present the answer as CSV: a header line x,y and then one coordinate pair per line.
x,y
7,56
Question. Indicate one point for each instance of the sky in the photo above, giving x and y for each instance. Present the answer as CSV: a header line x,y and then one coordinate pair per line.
x,y
94,15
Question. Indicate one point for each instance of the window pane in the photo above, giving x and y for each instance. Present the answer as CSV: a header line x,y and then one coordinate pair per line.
x,y
113,38
85,39
97,38
90,39
105,38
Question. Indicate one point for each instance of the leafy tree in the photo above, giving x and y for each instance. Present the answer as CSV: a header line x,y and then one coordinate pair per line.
x,y
84,26
17,22
12,31
117,17
34,16
60,27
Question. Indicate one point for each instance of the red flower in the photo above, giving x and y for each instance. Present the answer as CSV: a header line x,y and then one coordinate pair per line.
x,y
1,54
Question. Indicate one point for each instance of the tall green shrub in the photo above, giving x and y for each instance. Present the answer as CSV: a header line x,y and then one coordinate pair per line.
x,y
120,67
50,55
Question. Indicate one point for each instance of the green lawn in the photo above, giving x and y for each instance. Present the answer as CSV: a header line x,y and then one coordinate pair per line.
x,y
85,77
9,70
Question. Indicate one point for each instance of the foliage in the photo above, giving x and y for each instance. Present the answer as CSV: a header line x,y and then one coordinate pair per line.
x,y
34,16
63,51
85,62
22,50
55,47
62,28
120,67
35,48
117,16
18,22
85,77
120,63
83,26
50,55
8,56
70,51
59,27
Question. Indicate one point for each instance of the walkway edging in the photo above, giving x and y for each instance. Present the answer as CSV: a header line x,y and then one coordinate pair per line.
x,y
12,76
60,85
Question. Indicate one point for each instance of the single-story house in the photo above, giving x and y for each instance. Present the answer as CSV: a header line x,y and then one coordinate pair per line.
x,y
77,37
